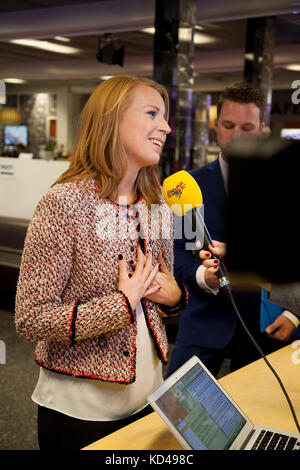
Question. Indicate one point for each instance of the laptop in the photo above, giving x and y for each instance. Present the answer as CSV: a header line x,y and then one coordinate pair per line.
x,y
202,416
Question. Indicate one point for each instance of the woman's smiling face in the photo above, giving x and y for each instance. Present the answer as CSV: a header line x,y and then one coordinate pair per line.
x,y
143,128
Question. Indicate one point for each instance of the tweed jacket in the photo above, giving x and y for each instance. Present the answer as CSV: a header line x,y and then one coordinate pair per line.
x,y
67,294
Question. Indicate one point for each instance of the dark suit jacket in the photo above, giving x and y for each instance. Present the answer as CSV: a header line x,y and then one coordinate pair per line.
x,y
209,320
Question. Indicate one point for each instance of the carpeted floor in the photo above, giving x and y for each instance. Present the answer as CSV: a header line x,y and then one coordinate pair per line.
x,y
18,377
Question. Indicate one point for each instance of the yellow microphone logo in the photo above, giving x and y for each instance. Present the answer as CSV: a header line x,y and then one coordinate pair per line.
x,y
177,191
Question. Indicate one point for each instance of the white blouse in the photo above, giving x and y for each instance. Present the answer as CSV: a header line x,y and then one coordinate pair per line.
x,y
94,400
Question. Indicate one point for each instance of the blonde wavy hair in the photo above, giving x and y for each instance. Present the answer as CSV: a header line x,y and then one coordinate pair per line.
x,y
98,150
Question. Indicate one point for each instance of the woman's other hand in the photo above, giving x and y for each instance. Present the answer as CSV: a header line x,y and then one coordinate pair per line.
x,y
166,290
136,285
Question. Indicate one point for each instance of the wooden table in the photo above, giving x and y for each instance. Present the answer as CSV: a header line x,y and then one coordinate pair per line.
x,y
255,390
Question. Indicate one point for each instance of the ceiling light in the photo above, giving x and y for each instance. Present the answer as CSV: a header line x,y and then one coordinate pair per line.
x,y
184,35
200,38
46,45
13,80
62,38
148,30
294,67
105,77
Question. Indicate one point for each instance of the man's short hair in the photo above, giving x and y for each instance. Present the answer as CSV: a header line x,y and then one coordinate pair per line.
x,y
244,93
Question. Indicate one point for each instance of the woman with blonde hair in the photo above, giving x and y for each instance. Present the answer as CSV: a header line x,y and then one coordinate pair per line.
x,y
96,280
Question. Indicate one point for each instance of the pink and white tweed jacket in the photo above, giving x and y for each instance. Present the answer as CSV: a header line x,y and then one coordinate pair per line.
x,y
67,295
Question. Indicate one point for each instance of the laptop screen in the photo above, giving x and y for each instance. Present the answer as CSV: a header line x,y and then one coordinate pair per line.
x,y
201,412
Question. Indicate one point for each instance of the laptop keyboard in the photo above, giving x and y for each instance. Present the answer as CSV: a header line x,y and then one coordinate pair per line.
x,y
268,440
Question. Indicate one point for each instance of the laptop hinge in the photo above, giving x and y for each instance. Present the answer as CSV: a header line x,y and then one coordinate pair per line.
x,y
247,440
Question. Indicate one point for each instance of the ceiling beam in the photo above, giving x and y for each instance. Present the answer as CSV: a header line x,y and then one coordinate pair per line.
x,y
209,11
119,15
76,20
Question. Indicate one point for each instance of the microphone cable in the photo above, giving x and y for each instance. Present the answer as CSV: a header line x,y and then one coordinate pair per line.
x,y
227,290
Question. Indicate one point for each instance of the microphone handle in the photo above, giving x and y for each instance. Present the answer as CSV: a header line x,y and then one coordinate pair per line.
x,y
221,273
207,239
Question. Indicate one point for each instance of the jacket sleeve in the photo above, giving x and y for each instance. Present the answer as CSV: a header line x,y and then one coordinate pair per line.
x,y
167,311
286,295
41,312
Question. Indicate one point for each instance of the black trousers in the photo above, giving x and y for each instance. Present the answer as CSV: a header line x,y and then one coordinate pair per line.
x,y
57,431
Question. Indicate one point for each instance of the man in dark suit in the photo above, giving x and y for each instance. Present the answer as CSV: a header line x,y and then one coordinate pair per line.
x,y
209,327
